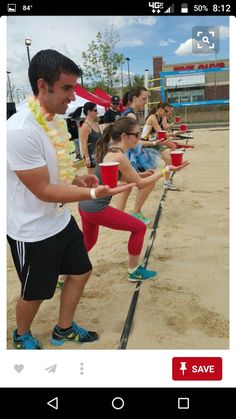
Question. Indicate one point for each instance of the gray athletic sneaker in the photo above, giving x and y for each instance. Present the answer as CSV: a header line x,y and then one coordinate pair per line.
x,y
169,185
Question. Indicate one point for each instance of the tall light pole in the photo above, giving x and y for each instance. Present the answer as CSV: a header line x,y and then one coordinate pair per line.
x,y
128,60
9,84
81,75
122,80
146,80
215,75
28,42
17,95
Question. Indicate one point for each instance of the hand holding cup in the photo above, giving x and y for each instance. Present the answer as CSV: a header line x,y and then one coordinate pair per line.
x,y
177,168
109,173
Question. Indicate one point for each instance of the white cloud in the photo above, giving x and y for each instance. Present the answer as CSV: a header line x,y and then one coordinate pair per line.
x,y
133,43
144,21
186,48
121,22
163,43
224,32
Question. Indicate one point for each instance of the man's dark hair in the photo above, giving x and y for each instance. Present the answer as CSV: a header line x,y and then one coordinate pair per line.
x,y
48,65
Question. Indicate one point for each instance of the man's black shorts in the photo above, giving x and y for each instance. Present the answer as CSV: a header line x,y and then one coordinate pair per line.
x,y
39,264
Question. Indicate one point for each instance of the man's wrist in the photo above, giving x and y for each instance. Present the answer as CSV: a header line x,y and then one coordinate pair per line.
x,y
93,193
163,172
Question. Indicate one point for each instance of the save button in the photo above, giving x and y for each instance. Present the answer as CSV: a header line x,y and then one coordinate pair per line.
x,y
197,368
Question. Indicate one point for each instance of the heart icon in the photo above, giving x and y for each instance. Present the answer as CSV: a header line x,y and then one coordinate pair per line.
x,y
18,367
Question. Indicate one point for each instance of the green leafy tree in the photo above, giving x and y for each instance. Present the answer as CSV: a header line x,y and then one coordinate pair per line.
x,y
101,62
138,80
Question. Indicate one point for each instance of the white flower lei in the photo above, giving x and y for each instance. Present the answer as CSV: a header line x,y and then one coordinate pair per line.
x,y
60,138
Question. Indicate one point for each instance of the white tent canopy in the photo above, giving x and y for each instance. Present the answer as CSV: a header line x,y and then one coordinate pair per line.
x,y
79,101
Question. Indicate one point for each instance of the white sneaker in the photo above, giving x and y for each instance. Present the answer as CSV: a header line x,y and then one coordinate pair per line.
x,y
169,185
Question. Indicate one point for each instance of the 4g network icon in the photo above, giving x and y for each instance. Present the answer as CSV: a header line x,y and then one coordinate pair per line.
x,y
197,368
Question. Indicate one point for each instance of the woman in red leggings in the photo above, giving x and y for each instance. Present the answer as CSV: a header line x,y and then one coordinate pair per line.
x,y
125,134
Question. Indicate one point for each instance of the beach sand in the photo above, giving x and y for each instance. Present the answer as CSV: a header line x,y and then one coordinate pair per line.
x,y
187,305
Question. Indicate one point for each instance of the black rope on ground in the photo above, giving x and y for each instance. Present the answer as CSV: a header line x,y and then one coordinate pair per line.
x,y
128,322
154,230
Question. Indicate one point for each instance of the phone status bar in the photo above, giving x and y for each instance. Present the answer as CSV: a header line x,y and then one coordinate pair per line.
x,y
151,8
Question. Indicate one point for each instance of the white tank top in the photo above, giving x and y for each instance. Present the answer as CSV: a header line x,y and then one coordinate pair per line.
x,y
147,129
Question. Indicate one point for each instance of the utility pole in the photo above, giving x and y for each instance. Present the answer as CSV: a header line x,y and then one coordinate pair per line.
x,y
81,75
9,84
128,60
122,80
17,95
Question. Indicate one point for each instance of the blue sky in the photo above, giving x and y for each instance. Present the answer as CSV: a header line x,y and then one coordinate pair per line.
x,y
165,37
141,38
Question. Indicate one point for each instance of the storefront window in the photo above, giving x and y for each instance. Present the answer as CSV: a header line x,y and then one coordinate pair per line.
x,y
182,96
197,95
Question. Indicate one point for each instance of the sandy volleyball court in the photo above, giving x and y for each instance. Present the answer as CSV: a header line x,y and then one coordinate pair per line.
x,y
187,306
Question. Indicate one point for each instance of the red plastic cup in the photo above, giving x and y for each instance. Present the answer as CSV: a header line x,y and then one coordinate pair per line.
x,y
176,157
177,119
183,127
109,173
161,135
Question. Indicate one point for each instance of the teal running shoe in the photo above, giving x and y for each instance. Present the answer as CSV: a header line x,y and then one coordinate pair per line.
x,y
74,334
141,274
141,217
26,341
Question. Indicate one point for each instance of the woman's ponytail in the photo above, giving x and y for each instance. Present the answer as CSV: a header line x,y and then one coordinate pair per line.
x,y
102,144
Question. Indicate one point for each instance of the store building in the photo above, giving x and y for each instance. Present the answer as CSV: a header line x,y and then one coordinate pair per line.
x,y
193,87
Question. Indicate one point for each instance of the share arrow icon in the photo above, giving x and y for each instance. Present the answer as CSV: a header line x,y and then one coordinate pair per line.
x,y
52,368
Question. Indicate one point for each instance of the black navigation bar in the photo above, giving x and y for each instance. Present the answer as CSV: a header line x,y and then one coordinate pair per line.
x,y
122,402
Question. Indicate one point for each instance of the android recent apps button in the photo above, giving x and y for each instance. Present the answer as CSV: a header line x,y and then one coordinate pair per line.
x,y
197,368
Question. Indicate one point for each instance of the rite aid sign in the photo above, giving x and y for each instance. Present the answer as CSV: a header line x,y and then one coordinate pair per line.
x,y
201,66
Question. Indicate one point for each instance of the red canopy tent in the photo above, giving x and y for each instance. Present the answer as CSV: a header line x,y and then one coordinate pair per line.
x,y
91,97
99,92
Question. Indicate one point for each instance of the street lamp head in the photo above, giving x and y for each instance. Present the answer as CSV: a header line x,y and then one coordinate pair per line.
x,y
127,58
28,41
8,72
